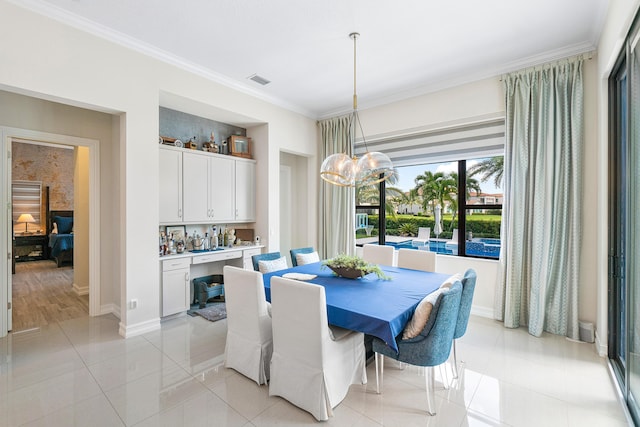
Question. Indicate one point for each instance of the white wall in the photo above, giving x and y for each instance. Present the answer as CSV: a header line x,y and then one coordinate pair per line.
x,y
80,69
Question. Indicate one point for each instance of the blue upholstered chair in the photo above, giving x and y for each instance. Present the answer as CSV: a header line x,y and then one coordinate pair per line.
x,y
295,252
264,257
431,347
468,288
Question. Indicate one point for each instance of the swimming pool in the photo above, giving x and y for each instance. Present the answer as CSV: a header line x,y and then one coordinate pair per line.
x,y
484,247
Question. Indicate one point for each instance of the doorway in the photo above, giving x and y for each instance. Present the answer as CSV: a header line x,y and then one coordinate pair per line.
x,y
43,287
624,223
86,218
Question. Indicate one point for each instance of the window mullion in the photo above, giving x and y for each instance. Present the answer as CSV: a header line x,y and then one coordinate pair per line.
x,y
462,206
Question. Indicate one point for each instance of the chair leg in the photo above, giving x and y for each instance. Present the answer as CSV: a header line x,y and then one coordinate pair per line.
x,y
381,378
455,361
430,386
444,375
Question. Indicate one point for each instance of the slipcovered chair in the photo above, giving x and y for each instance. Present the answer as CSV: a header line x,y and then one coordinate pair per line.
x,y
249,337
431,347
417,260
468,288
424,235
313,364
378,254
305,251
271,256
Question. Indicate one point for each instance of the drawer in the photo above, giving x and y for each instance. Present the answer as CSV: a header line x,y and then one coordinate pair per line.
x,y
175,264
248,253
214,257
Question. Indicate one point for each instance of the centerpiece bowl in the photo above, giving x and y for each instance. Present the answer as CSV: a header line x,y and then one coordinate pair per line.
x,y
353,267
349,273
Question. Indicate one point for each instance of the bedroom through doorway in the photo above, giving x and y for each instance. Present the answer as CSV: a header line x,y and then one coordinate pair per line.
x,y
43,290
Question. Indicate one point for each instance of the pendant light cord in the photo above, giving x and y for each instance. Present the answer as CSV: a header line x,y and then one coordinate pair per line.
x,y
356,116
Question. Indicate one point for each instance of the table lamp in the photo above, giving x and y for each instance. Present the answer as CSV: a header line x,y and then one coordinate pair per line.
x,y
26,218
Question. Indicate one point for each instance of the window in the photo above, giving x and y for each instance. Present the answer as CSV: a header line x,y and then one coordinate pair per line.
x,y
469,220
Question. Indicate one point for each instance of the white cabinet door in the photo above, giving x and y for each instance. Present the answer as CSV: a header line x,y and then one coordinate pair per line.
x,y
175,291
170,186
245,191
222,188
195,172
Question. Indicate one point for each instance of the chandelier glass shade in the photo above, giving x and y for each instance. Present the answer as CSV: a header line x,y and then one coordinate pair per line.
x,y
341,169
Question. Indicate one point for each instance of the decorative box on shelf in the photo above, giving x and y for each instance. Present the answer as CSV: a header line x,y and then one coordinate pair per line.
x,y
240,146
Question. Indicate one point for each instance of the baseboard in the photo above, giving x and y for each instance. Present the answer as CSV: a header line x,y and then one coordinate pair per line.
x,y
482,311
80,290
601,348
139,328
110,309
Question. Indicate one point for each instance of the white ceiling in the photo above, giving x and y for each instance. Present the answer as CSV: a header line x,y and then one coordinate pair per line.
x,y
406,47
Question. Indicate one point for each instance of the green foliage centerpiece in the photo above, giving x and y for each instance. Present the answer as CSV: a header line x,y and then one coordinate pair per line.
x,y
353,267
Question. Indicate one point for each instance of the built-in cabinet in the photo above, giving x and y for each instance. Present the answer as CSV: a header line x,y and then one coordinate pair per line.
x,y
245,191
178,271
170,185
176,290
206,188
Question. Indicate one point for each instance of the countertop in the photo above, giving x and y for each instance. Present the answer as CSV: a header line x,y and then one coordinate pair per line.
x,y
195,254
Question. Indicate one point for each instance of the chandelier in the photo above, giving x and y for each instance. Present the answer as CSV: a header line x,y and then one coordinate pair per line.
x,y
371,168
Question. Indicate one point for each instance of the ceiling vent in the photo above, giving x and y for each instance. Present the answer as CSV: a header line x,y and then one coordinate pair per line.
x,y
259,79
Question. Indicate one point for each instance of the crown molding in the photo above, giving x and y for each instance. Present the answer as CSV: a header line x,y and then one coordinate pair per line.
x,y
80,23
466,78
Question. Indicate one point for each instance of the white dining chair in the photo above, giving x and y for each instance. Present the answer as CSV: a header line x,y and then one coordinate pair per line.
x,y
249,336
309,368
417,259
378,254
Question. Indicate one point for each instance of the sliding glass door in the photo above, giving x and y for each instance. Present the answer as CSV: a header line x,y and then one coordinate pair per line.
x,y
624,221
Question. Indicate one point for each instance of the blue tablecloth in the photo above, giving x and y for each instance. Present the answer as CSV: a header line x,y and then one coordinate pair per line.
x,y
376,307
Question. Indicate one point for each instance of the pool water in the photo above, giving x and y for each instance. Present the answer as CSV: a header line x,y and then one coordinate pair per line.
x,y
484,247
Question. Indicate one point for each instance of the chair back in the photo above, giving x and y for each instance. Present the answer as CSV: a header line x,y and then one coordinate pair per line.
x,y
378,254
454,236
436,346
255,259
299,315
468,288
246,303
294,252
424,233
416,259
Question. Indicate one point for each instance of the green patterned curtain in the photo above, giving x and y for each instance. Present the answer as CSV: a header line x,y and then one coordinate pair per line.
x,y
541,225
337,204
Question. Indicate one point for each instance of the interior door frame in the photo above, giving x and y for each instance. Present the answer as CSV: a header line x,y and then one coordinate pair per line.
x,y
7,135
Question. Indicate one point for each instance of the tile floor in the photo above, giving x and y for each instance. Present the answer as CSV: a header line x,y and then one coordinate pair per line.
x,y
82,373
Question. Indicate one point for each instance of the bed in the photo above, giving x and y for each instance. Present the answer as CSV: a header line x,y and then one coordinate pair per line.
x,y
60,230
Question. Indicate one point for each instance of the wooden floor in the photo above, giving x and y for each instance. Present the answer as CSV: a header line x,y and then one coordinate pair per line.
x,y
43,294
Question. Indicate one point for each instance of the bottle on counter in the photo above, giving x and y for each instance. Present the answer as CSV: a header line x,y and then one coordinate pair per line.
x,y
205,243
214,238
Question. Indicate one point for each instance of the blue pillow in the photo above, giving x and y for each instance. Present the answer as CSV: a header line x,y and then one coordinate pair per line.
x,y
65,224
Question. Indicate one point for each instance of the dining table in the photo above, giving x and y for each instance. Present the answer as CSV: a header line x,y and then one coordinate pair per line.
x,y
369,304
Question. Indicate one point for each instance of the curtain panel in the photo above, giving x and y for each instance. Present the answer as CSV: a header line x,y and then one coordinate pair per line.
x,y
541,226
337,204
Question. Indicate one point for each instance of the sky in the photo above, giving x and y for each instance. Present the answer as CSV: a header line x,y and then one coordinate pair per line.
x,y
407,175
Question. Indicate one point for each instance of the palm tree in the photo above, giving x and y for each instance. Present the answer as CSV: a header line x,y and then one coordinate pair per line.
x,y
472,185
435,188
491,168
412,197
370,194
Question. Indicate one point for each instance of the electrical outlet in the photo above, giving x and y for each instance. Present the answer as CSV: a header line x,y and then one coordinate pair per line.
x,y
133,304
